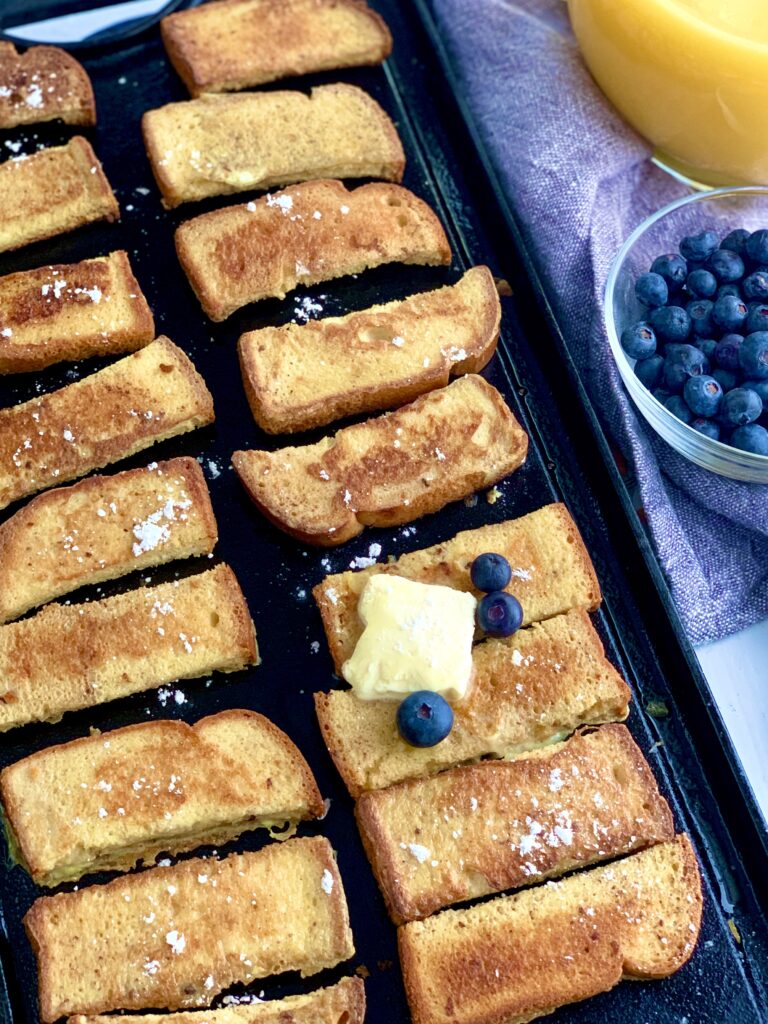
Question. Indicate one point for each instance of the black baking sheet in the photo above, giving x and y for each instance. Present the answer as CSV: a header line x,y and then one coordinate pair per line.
x,y
725,980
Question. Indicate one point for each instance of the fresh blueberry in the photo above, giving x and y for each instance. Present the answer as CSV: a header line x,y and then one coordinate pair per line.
x,y
761,387
679,408
683,361
649,371
727,351
736,241
703,395
424,718
707,346
651,290
638,340
729,289
671,323
756,286
701,284
661,394
757,318
753,355
490,572
757,246
700,312
730,312
741,406
672,268
706,427
727,266
751,438
499,614
727,379
698,247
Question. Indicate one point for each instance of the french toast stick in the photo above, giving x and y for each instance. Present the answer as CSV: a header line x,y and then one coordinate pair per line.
x,y
266,248
41,84
112,800
142,399
175,937
299,376
520,957
342,1003
52,191
102,528
531,689
389,470
551,573
72,311
497,825
220,144
236,44
68,657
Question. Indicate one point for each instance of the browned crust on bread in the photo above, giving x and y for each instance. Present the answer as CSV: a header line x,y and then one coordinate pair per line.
x,y
51,192
502,825
265,249
72,311
301,376
205,65
44,83
518,957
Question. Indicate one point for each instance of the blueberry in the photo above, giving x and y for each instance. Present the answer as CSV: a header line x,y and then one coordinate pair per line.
x,y
707,346
683,361
727,379
700,312
698,247
756,286
424,718
706,427
741,406
727,266
736,241
638,340
672,268
729,289
701,284
490,572
757,318
661,394
679,408
651,290
757,246
649,371
499,614
703,395
753,355
671,323
751,438
761,387
730,312
727,351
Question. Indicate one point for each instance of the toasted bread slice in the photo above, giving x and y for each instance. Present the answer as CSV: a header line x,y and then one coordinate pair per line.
x,y
53,191
175,937
237,44
112,800
302,376
388,470
69,657
42,84
217,145
266,248
342,1003
551,573
531,689
520,957
72,311
102,528
499,825
146,397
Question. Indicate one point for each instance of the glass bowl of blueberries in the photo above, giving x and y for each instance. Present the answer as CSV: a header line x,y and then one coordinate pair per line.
x,y
687,317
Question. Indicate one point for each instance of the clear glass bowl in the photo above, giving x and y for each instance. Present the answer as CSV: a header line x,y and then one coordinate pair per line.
x,y
722,210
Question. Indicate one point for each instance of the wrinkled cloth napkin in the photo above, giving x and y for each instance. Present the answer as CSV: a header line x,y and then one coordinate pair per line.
x,y
580,180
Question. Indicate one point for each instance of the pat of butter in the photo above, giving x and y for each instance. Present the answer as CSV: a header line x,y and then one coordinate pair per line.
x,y
417,637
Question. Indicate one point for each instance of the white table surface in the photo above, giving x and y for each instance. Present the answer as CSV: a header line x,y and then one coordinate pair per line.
x,y
737,671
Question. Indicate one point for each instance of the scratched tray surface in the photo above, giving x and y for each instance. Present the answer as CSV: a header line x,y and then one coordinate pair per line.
x,y
722,982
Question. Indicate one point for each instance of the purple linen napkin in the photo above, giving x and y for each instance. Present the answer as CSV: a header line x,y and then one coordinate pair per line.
x,y
580,180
